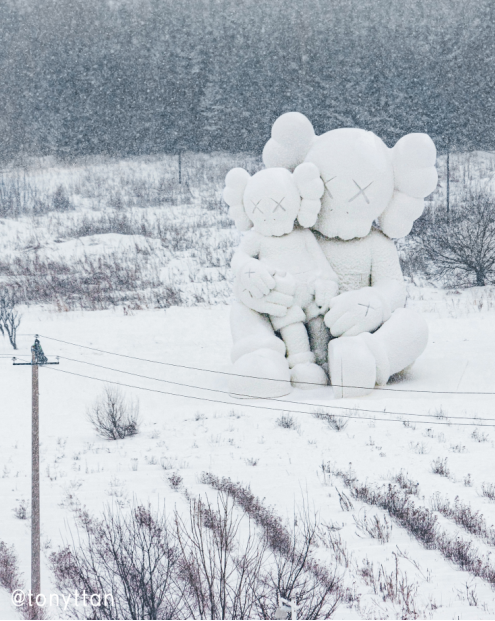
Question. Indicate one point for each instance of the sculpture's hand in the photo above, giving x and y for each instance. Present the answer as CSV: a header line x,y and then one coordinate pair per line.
x,y
354,312
324,291
256,278
275,302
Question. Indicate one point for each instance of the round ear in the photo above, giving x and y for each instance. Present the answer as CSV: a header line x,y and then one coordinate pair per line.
x,y
233,193
415,177
414,158
292,137
399,216
311,188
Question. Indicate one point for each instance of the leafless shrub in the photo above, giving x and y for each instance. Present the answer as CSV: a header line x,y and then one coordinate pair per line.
x,y
18,196
297,574
166,463
10,318
468,481
326,470
480,436
334,422
113,417
167,296
419,447
488,490
252,461
344,501
471,595
175,481
22,511
333,541
11,580
89,283
60,200
439,413
419,521
405,483
375,526
392,586
439,466
222,581
204,565
287,421
128,560
459,551
462,514
458,248
422,524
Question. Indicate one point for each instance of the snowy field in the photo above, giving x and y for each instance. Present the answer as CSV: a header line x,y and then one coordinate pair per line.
x,y
424,434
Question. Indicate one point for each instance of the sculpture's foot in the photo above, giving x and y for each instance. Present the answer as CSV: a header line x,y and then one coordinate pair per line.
x,y
357,363
352,367
308,376
262,374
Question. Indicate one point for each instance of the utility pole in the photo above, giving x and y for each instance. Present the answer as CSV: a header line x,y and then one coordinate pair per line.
x,y
38,359
448,177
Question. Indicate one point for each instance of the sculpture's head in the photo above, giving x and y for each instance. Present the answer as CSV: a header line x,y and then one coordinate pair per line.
x,y
271,200
364,180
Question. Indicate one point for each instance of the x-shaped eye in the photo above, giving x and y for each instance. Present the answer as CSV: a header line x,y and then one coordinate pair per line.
x,y
325,183
256,206
361,191
278,204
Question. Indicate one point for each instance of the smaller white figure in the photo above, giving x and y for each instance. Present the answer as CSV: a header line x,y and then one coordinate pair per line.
x,y
268,206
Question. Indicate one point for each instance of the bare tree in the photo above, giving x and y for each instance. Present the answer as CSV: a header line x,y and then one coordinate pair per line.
x,y
224,577
113,416
10,318
294,573
213,562
459,247
127,561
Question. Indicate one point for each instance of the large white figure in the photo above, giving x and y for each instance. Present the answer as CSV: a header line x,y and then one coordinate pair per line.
x,y
371,336
267,206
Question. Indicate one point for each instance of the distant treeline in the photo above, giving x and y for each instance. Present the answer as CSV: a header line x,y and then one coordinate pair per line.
x,y
127,77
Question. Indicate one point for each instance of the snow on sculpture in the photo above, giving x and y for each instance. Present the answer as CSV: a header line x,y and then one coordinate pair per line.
x,y
370,335
267,206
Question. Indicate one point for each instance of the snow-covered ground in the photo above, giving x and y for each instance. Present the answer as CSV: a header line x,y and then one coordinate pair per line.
x,y
190,425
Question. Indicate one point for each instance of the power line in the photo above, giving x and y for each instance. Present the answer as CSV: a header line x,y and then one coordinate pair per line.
x,y
226,392
182,366
256,407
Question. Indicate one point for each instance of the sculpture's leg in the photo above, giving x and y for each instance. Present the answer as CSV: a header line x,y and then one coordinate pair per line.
x,y
260,366
319,337
357,363
304,372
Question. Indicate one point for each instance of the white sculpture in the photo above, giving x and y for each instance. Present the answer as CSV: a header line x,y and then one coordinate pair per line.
x,y
267,205
370,335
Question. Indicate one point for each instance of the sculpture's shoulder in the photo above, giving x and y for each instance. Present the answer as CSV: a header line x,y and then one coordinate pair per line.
x,y
381,246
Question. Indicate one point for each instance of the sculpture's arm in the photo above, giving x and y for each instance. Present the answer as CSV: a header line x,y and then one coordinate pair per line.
x,y
325,282
366,309
253,275
386,273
